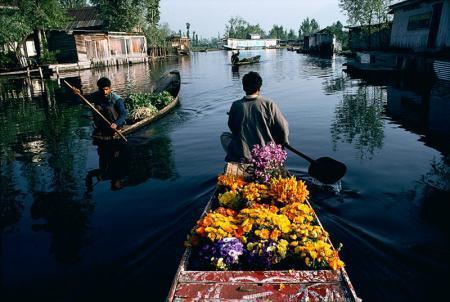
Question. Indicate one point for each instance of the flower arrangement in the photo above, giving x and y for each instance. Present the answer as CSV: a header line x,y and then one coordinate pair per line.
x,y
267,161
263,224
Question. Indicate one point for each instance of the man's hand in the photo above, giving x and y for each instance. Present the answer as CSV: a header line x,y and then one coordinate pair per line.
x,y
113,126
76,90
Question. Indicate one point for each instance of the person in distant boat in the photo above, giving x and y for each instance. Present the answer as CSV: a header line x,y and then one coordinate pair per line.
x,y
235,57
110,106
253,120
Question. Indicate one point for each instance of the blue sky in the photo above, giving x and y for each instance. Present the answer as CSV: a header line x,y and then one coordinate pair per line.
x,y
208,17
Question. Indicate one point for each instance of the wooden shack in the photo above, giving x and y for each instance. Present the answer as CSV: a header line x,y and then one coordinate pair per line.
x,y
85,43
88,48
421,25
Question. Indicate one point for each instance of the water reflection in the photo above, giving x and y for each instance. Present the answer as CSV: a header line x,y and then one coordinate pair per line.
x,y
67,221
132,164
423,110
359,120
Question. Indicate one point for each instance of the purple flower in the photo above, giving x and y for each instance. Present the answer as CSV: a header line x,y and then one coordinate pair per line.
x,y
263,254
267,161
223,254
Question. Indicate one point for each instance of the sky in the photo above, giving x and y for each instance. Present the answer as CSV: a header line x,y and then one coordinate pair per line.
x,y
209,17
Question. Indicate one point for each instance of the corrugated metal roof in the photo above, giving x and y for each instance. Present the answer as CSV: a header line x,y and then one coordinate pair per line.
x,y
84,18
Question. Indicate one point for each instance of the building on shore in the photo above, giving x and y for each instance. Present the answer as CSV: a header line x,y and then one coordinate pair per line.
x,y
253,41
84,43
362,38
181,44
322,42
421,25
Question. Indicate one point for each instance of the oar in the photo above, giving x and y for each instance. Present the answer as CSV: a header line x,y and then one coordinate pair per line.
x,y
95,109
324,169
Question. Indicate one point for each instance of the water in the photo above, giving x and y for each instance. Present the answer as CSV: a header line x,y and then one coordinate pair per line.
x,y
122,239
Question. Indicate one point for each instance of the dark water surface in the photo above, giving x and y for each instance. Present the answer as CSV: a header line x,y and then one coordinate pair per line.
x,y
63,238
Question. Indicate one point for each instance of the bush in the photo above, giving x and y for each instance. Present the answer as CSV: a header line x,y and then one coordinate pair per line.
x,y
8,60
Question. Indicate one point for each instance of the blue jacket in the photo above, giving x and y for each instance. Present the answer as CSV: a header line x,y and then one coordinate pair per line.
x,y
113,100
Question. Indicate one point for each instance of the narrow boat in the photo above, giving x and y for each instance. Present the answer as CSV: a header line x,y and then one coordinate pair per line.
x,y
170,82
247,61
258,285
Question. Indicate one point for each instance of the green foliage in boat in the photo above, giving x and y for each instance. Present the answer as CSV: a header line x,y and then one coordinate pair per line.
x,y
144,104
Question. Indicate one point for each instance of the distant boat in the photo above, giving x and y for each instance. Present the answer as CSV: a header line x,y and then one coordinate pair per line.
x,y
247,61
183,52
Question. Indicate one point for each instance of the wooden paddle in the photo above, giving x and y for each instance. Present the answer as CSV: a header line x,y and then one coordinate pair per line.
x,y
94,109
324,169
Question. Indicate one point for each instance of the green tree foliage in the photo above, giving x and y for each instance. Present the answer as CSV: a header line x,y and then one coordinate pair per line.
x,y
278,32
308,27
366,13
27,17
188,26
239,28
338,30
291,35
73,3
121,15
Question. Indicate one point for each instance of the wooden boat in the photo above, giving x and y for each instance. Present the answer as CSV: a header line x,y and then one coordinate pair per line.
x,y
247,61
170,82
272,285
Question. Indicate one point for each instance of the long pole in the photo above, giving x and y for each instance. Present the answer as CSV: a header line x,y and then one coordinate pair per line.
x,y
94,109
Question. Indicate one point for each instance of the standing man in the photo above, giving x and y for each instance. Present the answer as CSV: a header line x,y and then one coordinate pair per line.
x,y
253,120
235,57
110,105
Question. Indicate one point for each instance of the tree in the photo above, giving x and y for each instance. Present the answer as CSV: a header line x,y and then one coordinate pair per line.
x,y
342,36
291,35
121,15
277,32
14,30
365,13
188,26
239,28
31,16
308,27
73,3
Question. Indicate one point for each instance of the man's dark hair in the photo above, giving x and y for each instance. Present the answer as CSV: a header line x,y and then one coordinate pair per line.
x,y
103,82
252,82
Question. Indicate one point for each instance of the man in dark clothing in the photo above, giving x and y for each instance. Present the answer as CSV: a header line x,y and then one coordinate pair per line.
x,y
110,106
253,120
235,57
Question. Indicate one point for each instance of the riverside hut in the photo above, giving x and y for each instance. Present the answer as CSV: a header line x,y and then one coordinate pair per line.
x,y
84,43
421,25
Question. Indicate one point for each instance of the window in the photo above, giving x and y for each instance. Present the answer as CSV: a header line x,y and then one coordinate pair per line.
x,y
421,21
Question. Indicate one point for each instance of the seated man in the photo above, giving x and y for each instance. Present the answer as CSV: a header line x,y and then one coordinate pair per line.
x,y
110,105
253,120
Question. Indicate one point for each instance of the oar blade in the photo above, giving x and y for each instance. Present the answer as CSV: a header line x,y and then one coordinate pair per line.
x,y
327,170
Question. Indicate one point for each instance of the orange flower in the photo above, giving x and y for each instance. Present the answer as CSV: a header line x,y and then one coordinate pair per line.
x,y
275,234
231,182
288,190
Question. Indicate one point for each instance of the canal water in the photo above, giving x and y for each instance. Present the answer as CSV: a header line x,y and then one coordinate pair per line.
x,y
78,223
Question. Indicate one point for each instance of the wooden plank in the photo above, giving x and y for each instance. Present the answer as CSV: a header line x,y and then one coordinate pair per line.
x,y
265,292
260,276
